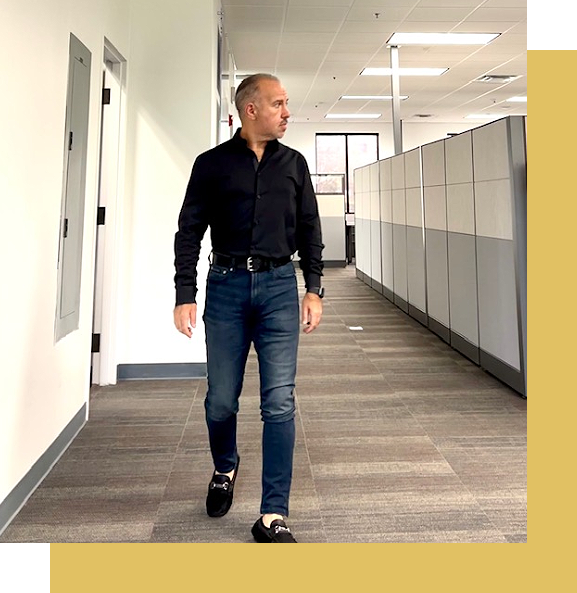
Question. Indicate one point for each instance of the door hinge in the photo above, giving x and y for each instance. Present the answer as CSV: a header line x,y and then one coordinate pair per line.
x,y
101,215
65,233
106,96
95,343
70,140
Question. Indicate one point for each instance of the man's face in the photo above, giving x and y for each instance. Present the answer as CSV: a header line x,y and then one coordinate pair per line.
x,y
271,110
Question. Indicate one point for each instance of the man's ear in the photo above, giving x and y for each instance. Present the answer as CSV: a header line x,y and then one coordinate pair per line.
x,y
250,110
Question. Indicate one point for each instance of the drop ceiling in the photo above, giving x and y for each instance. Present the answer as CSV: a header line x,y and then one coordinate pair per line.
x,y
319,47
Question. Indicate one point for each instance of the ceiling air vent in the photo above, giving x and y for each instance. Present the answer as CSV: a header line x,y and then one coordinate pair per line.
x,y
423,115
496,78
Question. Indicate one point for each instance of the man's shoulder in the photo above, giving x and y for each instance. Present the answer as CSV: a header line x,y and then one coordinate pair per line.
x,y
223,148
291,151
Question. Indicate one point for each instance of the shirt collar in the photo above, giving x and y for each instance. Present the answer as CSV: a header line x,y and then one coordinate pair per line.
x,y
238,140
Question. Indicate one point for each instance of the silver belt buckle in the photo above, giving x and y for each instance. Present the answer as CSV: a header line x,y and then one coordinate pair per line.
x,y
250,264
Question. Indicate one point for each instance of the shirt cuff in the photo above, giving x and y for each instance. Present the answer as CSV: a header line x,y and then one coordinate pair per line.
x,y
185,295
313,280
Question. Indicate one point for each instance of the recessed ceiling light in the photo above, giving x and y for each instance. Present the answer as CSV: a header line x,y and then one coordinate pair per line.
x,y
441,38
372,97
404,71
352,115
497,78
517,99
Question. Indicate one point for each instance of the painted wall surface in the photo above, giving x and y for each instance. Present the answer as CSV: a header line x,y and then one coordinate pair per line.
x,y
170,117
171,120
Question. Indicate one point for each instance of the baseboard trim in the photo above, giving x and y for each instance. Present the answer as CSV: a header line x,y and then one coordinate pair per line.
x,y
466,348
419,315
14,502
401,303
440,330
389,294
375,285
169,370
335,263
510,376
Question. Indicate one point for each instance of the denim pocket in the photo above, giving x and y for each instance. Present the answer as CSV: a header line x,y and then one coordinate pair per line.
x,y
218,273
285,271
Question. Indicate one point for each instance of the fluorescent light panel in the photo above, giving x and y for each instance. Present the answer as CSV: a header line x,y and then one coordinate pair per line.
x,y
517,99
404,71
352,115
441,38
372,97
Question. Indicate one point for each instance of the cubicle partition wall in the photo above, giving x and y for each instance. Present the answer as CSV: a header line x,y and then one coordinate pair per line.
x,y
362,230
436,245
452,235
499,163
400,296
375,224
386,195
462,250
416,272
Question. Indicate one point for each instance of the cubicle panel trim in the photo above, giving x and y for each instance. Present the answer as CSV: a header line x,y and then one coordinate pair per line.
x,y
502,371
401,303
465,347
440,329
518,166
419,315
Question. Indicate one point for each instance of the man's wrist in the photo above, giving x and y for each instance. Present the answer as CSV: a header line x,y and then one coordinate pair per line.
x,y
318,290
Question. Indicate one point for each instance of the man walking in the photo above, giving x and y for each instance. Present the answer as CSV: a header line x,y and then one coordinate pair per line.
x,y
257,197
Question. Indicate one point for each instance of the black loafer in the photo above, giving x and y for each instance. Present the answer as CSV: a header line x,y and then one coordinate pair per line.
x,y
220,491
277,533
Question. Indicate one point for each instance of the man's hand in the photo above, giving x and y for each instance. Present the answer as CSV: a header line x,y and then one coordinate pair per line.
x,y
185,318
312,311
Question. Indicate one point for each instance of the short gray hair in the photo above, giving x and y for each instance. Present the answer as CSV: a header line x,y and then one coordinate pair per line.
x,y
248,89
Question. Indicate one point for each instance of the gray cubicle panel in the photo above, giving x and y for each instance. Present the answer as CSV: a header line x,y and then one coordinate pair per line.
x,y
399,232
386,198
463,288
499,196
375,224
453,244
416,274
436,240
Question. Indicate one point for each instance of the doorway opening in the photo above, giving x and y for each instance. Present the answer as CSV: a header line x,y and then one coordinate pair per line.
x,y
110,182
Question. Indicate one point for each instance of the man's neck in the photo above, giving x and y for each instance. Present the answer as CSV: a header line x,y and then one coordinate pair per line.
x,y
256,143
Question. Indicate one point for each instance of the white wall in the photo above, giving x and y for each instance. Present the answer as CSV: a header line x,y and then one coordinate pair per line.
x,y
170,48
172,111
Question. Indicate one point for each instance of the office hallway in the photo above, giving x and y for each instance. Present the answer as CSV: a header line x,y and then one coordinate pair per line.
x,y
399,439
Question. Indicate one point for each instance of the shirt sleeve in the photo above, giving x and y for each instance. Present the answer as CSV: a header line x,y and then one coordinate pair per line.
x,y
192,224
309,235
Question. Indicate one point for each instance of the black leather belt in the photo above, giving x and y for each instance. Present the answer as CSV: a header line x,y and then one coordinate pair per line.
x,y
254,263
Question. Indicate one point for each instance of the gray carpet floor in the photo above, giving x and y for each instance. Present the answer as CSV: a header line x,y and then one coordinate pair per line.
x,y
399,439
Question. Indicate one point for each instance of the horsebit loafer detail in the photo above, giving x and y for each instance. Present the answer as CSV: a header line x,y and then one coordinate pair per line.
x,y
277,533
220,492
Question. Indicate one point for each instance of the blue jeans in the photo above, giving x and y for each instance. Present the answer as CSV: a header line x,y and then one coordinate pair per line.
x,y
262,308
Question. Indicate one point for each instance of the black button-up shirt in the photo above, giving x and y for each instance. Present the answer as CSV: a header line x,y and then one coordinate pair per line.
x,y
265,208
